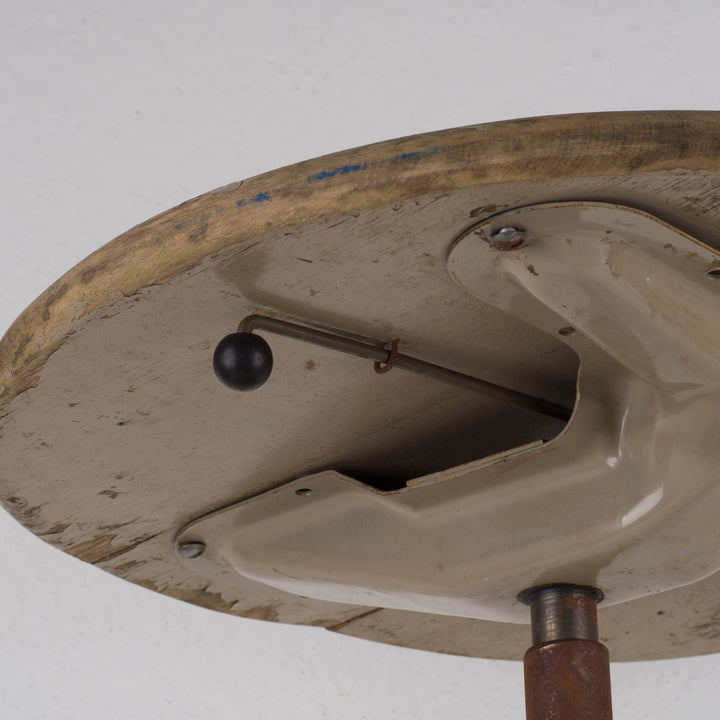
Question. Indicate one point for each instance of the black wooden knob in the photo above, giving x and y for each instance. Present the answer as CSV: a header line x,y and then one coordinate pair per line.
x,y
243,361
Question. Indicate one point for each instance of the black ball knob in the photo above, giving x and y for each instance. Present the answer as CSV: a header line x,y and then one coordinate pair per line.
x,y
243,361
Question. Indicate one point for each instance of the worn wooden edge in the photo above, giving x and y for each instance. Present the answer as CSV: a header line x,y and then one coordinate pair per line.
x,y
154,252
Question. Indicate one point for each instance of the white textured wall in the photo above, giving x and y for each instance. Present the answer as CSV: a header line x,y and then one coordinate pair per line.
x,y
110,113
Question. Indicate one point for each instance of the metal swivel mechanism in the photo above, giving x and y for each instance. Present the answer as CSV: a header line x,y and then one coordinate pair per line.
x,y
567,672
590,515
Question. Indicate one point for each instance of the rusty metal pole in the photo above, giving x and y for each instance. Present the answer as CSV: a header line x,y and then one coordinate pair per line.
x,y
567,671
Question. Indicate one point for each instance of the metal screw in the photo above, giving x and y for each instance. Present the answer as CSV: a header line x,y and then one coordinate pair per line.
x,y
190,550
507,238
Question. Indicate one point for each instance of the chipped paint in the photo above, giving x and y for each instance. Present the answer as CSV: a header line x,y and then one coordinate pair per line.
x,y
204,598
101,548
95,550
56,529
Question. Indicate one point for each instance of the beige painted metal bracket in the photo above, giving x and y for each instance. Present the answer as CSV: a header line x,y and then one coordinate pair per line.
x,y
624,499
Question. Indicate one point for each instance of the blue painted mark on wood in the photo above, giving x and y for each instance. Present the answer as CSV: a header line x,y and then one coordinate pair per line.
x,y
259,198
420,153
344,170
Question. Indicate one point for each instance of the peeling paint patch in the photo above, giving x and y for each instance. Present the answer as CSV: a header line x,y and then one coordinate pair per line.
x,y
94,550
262,612
101,548
344,170
129,565
56,529
21,510
484,210
196,596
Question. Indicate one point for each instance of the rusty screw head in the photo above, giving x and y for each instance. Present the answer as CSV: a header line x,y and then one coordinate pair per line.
x,y
507,238
190,550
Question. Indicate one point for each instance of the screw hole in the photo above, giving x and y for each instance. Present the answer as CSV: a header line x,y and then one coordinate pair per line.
x,y
714,273
303,492
566,330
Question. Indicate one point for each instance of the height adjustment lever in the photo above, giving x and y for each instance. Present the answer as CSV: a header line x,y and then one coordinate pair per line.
x,y
243,361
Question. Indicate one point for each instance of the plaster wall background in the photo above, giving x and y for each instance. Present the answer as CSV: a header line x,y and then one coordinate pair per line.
x,y
113,112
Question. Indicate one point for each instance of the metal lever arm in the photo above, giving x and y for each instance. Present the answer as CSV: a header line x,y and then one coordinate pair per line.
x,y
336,341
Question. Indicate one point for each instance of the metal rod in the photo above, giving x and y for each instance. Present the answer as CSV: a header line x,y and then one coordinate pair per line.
x,y
567,671
380,354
